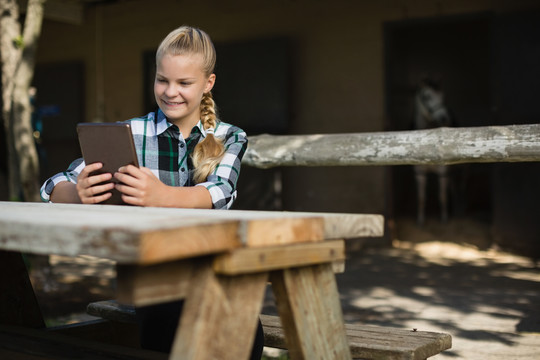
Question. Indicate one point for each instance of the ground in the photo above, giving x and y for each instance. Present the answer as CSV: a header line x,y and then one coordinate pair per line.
x,y
439,277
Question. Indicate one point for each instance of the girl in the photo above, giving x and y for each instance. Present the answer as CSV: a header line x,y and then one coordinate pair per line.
x,y
181,145
188,158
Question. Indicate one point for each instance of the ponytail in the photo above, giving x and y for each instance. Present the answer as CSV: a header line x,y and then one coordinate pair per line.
x,y
209,152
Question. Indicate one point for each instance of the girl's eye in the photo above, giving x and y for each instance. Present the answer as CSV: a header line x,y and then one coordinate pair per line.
x,y
161,80
185,83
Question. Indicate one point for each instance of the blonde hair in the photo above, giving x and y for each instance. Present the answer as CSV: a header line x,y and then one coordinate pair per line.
x,y
188,40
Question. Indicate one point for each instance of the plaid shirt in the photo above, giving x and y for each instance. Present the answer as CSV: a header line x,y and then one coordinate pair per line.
x,y
161,148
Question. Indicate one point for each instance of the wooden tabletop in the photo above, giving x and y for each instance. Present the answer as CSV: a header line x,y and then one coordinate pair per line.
x,y
134,235
223,293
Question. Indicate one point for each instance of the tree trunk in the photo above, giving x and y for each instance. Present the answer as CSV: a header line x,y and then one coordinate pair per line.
x,y
9,32
17,53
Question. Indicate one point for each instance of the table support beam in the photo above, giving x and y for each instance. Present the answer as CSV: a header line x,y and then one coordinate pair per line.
x,y
216,307
308,303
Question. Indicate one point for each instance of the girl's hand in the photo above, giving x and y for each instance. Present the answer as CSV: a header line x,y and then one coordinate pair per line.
x,y
139,186
91,189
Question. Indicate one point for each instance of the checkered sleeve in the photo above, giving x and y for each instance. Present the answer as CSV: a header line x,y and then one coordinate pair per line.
x,y
70,175
222,182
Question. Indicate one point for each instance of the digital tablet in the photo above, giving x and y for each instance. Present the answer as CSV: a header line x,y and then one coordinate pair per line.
x,y
108,143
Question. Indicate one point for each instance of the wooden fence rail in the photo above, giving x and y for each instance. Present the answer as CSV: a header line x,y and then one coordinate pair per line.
x,y
516,143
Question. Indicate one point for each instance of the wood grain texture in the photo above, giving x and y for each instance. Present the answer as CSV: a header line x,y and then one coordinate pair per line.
x,y
284,230
516,143
217,310
365,341
252,260
308,304
148,285
347,226
164,245
373,342
149,235
114,232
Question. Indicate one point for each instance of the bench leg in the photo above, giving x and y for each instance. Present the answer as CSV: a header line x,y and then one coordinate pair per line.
x,y
220,315
308,303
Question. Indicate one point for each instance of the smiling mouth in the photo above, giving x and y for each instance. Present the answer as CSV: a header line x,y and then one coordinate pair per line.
x,y
173,103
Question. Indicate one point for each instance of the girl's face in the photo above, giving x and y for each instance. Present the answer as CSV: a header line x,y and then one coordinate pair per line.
x,y
179,86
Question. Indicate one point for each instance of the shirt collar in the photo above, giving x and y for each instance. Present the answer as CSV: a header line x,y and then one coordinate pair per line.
x,y
162,124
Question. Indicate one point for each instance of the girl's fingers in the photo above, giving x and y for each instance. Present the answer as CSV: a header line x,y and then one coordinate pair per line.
x,y
131,200
129,175
127,189
131,170
135,184
96,179
95,190
88,180
124,178
88,169
96,199
133,176
96,194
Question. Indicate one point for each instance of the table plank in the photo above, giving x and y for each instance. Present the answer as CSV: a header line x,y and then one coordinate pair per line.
x,y
149,285
130,234
250,260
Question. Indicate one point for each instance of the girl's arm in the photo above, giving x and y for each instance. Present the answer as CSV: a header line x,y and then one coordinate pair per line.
x,y
87,189
221,183
65,192
139,186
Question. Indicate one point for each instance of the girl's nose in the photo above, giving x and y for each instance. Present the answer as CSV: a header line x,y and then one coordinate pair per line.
x,y
171,90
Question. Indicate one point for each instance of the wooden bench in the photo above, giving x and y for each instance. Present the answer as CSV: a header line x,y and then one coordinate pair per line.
x,y
365,341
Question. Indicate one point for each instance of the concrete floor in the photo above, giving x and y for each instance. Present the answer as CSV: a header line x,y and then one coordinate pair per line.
x,y
488,300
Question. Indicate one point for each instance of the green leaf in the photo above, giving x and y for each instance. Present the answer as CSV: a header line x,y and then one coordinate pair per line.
x,y
18,42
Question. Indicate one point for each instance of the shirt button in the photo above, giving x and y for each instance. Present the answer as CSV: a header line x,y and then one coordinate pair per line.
x,y
182,145
182,169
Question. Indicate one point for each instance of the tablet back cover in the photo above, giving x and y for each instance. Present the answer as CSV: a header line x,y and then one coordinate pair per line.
x,y
108,143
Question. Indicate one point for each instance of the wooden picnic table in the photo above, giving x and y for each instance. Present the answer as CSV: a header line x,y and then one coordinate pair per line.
x,y
218,261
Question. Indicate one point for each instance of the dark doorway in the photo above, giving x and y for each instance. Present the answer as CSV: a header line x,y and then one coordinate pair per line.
x,y
59,104
516,195
253,92
456,51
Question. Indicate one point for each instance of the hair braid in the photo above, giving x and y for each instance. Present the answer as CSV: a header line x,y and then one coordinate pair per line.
x,y
209,152
208,111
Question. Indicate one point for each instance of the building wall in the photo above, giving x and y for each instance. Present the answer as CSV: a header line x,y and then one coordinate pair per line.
x,y
337,70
